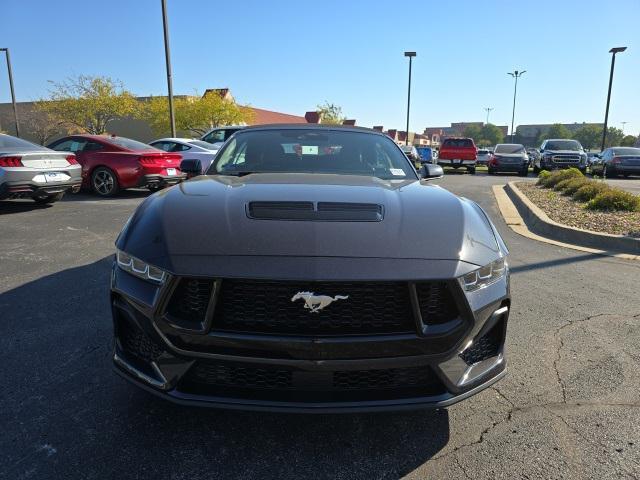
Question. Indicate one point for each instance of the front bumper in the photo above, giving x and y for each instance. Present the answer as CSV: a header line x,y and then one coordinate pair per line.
x,y
509,167
299,374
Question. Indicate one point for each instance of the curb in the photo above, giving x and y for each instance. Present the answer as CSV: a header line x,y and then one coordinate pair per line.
x,y
526,219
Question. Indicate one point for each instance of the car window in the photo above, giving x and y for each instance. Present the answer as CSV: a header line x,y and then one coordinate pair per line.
x,y
458,142
70,145
305,151
563,145
509,148
13,144
215,136
129,144
626,151
92,147
165,146
201,144
180,147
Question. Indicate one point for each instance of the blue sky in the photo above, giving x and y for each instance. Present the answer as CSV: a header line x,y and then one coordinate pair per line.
x,y
290,56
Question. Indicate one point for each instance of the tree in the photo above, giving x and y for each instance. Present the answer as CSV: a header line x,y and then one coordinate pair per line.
x,y
628,141
491,135
614,137
330,113
87,104
194,115
39,125
557,130
473,131
589,136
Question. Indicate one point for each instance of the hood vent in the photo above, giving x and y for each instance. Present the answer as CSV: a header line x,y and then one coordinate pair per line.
x,y
321,211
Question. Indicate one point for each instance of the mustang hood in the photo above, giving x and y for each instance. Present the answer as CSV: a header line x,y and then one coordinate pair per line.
x,y
209,217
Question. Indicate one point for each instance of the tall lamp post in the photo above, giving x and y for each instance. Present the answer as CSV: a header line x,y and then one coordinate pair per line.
x,y
13,94
515,74
410,55
488,110
613,52
623,124
167,55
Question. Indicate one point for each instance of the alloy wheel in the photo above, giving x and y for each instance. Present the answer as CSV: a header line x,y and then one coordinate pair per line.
x,y
103,182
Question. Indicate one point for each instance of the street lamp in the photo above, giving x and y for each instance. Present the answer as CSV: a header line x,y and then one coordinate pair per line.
x,y
167,55
623,124
13,94
515,74
488,110
410,55
613,52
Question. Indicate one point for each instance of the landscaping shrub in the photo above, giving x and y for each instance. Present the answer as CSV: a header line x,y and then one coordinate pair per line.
x,y
615,199
560,175
542,176
590,191
571,185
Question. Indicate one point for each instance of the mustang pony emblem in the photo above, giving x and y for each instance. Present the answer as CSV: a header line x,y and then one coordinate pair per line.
x,y
314,302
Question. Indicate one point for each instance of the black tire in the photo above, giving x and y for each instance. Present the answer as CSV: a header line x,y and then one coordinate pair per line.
x,y
104,182
472,170
607,174
536,170
524,173
46,199
491,171
155,188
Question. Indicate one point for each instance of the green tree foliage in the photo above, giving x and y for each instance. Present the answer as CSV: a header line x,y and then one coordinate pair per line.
x,y
194,115
87,104
557,130
614,137
491,135
589,136
330,113
473,131
628,141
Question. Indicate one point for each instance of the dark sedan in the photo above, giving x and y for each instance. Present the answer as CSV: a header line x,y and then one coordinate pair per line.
x,y
616,161
509,157
312,269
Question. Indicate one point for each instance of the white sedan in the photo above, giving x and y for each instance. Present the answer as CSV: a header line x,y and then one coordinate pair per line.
x,y
190,149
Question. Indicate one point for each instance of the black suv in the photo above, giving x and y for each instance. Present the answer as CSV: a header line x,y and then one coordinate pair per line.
x,y
560,153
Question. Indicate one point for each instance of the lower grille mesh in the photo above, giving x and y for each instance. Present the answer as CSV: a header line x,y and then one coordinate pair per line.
x,y
135,342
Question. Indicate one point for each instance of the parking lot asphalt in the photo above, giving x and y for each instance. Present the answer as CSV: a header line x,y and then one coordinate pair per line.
x,y
569,407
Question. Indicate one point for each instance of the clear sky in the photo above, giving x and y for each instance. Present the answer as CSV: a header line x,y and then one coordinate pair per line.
x,y
290,56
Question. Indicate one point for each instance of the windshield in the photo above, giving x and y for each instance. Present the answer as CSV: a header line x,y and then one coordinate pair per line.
x,y
458,142
626,151
207,145
12,144
563,145
313,151
508,148
129,144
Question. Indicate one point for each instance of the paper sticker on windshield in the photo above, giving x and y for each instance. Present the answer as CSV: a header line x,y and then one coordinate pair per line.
x,y
397,172
309,150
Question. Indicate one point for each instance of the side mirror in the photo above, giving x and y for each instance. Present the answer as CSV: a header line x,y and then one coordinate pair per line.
x,y
191,166
430,171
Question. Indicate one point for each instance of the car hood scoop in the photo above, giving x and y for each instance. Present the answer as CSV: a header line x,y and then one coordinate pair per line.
x,y
316,211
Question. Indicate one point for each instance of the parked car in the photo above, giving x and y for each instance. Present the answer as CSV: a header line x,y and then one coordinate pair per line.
x,y
560,153
458,153
32,171
427,154
220,134
484,155
411,152
616,161
190,148
111,163
509,157
302,282
534,154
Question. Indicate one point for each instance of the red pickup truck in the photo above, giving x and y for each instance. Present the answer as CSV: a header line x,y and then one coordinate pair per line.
x,y
111,163
457,153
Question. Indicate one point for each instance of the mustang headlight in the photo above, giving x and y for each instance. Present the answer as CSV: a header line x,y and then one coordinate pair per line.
x,y
139,268
484,275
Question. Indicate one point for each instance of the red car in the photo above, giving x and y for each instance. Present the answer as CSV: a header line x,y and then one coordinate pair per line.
x,y
111,163
458,152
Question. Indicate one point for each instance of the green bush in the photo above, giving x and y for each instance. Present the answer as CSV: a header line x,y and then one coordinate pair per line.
x,y
560,175
590,191
615,199
571,185
542,176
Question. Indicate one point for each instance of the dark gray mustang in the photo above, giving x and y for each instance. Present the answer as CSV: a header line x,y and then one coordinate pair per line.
x,y
311,269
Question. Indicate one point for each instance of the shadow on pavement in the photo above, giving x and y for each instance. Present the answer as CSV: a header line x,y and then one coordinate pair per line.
x,y
68,415
555,263
85,195
8,207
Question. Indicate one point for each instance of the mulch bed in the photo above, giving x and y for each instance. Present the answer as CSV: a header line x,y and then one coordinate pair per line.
x,y
565,210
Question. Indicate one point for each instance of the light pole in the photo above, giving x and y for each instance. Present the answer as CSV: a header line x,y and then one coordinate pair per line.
x,y
167,55
623,124
13,94
613,52
515,74
488,109
410,55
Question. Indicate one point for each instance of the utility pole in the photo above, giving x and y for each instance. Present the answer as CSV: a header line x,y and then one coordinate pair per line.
x,y
623,124
167,54
613,52
488,110
13,93
410,55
